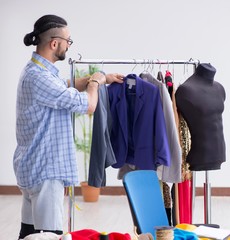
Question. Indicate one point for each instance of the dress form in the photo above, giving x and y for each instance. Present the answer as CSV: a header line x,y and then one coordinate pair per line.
x,y
200,100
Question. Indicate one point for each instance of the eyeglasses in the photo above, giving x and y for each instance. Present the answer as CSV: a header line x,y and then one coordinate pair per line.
x,y
69,41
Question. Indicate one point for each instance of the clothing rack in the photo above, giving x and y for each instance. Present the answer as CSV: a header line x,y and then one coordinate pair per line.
x,y
145,62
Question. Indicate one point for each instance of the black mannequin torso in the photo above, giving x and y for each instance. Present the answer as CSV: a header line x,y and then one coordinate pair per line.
x,y
200,100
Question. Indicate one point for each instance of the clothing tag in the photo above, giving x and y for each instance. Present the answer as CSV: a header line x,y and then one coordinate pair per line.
x,y
131,82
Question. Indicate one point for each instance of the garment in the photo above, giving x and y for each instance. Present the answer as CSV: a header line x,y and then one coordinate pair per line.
x,y
43,236
148,139
200,100
172,173
125,169
180,234
101,154
45,147
90,234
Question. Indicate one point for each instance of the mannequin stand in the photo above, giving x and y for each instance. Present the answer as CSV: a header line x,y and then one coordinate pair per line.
x,y
207,199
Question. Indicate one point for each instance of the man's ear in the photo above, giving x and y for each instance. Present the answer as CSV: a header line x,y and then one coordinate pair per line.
x,y
53,44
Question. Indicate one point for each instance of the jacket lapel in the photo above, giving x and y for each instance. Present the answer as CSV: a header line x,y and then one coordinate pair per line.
x,y
121,106
139,99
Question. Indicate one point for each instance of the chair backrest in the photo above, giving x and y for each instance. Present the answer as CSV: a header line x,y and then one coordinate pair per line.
x,y
145,200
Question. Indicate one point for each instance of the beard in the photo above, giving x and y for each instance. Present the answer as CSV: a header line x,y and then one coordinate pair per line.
x,y
60,54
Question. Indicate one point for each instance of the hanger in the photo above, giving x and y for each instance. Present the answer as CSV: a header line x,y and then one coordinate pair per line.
x,y
135,62
160,76
80,56
146,69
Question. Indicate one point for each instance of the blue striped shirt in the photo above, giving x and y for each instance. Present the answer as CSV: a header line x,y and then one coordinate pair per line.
x,y
45,146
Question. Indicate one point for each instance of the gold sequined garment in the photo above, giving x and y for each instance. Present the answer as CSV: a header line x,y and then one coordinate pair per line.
x,y
167,195
185,140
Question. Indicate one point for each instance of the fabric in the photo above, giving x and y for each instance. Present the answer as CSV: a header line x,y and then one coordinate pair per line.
x,y
167,195
150,141
180,234
49,197
175,205
90,234
43,236
185,187
45,147
174,191
125,169
101,154
144,236
160,77
185,201
189,228
172,173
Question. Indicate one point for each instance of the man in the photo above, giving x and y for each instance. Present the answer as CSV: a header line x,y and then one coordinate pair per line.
x,y
44,160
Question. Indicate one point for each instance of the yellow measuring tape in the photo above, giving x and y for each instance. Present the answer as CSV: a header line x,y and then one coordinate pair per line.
x,y
71,197
37,62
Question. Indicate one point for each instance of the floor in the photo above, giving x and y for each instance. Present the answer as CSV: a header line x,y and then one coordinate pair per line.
x,y
109,214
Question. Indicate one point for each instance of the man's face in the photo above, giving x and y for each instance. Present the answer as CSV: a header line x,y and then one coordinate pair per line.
x,y
64,43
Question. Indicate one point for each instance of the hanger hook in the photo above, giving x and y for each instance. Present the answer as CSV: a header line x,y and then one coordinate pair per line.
x,y
149,65
159,64
135,62
153,67
144,64
80,56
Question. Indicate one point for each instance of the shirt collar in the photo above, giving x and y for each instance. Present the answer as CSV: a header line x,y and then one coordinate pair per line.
x,y
47,64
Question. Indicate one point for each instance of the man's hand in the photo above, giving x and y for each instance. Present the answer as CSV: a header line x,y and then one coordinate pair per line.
x,y
99,77
114,77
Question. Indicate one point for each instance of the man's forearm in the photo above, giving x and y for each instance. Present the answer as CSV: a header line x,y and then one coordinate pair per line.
x,y
80,83
92,91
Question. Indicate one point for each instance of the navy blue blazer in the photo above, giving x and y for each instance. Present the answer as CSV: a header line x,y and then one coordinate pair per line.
x,y
149,137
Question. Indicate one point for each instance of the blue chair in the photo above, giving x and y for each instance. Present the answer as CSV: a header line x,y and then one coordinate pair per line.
x,y
145,200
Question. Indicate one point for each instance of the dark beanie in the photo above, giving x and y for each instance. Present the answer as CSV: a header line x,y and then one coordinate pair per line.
x,y
43,24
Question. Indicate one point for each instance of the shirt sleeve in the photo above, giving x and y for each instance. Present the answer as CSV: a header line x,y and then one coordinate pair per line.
x,y
51,91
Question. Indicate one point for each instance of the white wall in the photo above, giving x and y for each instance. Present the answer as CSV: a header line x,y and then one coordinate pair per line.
x,y
121,29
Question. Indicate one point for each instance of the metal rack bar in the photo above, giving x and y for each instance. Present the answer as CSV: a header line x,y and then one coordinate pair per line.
x,y
132,61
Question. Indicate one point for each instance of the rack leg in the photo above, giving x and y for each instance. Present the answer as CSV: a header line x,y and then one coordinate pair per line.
x,y
207,199
71,209
71,188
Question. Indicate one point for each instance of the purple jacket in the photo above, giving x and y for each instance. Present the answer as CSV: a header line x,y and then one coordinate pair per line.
x,y
149,137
